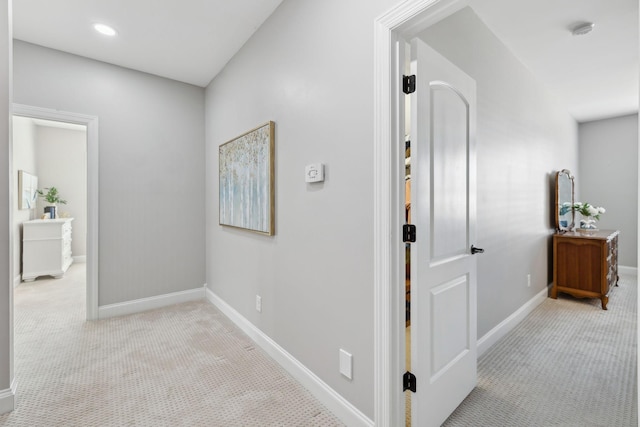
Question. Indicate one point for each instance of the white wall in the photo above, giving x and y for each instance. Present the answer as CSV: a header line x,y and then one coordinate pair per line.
x,y
151,167
523,137
6,215
23,159
309,68
61,157
608,176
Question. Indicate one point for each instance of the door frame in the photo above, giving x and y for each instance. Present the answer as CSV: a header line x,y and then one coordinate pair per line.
x,y
91,122
391,32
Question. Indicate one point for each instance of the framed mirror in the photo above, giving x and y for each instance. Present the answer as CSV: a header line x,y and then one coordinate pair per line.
x,y
565,216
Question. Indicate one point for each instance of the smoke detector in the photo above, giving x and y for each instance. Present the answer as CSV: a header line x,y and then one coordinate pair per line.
x,y
582,28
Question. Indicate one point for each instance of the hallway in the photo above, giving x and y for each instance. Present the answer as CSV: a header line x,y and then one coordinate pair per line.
x,y
184,365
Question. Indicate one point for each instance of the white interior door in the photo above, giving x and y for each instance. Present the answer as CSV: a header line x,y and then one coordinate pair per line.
x,y
443,269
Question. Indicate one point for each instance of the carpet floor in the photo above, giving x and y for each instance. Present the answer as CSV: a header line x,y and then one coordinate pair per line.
x,y
569,363
183,365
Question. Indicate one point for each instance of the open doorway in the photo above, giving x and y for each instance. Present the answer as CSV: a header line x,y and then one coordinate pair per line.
x,y
50,158
60,150
54,156
392,354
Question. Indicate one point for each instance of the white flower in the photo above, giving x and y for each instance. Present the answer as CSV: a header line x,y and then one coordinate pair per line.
x,y
587,210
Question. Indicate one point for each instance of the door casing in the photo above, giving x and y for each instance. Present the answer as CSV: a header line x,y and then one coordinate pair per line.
x,y
392,30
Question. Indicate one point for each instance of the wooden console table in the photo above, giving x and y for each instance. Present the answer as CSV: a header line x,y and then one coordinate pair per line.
x,y
585,265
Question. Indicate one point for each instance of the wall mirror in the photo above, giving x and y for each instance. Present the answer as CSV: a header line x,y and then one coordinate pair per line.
x,y
564,200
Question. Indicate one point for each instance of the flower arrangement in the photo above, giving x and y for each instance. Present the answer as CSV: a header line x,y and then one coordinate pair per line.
x,y
52,196
585,209
590,213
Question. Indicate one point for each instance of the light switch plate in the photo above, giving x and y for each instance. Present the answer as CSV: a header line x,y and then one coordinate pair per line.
x,y
346,364
314,172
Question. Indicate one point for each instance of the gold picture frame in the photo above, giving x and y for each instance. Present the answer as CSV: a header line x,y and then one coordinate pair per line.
x,y
246,181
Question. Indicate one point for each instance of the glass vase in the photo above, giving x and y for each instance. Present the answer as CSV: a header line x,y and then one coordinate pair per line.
x,y
588,225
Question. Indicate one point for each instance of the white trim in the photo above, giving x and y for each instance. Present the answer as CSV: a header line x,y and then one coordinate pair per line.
x,y
338,405
17,280
91,122
390,32
507,325
80,259
8,398
629,271
386,341
150,303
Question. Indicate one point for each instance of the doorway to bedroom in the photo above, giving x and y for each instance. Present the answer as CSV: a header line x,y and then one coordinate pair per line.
x,y
57,149
50,164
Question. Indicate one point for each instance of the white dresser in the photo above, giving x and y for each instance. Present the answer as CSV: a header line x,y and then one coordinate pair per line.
x,y
46,248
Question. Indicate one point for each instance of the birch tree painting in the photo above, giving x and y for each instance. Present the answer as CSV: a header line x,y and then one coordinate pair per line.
x,y
246,180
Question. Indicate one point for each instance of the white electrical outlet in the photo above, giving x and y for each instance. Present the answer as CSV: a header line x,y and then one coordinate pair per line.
x,y
528,280
346,364
258,303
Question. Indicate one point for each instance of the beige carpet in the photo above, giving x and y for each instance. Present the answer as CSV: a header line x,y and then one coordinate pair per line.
x,y
185,365
569,363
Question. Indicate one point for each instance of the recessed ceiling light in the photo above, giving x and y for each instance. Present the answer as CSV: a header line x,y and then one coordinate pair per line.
x,y
582,29
105,29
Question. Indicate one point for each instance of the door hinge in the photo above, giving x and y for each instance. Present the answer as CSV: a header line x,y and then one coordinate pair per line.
x,y
409,84
409,382
408,233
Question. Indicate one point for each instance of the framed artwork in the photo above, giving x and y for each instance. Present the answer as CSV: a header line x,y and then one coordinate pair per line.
x,y
246,179
27,186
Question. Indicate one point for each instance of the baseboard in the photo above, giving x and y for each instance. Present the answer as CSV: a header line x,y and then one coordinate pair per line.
x,y
80,258
8,398
17,280
504,327
628,271
338,405
151,303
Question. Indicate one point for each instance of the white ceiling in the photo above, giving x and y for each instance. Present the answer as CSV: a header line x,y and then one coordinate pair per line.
x,y
595,75
185,40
